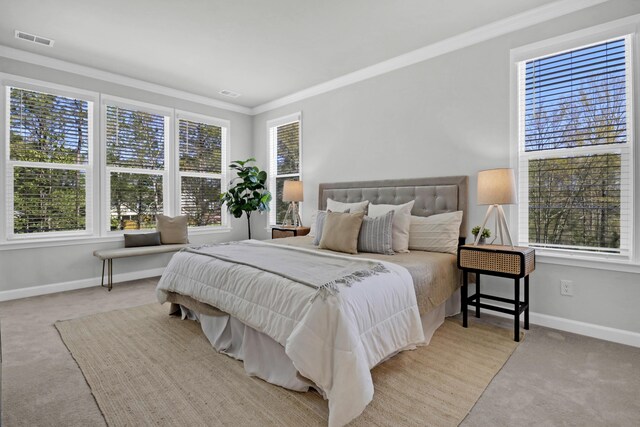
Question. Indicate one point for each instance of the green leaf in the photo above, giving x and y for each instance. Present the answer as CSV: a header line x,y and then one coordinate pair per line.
x,y
247,192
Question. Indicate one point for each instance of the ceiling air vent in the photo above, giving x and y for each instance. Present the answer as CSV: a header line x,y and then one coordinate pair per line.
x,y
229,93
33,38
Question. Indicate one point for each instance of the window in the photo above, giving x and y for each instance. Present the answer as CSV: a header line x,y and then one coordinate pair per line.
x,y
59,181
284,164
575,149
49,163
202,177
136,166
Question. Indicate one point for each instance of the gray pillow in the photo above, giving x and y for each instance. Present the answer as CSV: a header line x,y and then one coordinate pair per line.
x,y
376,234
145,239
320,218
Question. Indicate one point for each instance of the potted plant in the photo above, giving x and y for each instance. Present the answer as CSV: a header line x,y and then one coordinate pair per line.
x,y
248,192
485,234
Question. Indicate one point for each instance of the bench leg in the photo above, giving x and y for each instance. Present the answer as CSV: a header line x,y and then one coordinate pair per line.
x,y
102,277
110,274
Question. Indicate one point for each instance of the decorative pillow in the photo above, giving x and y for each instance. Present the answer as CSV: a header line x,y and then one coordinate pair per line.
x,y
334,206
341,232
320,219
144,239
312,224
319,225
436,233
376,234
401,222
172,230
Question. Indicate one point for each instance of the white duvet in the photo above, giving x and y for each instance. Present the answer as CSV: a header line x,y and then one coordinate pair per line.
x,y
334,342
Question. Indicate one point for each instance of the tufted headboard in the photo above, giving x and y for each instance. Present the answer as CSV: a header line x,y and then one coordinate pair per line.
x,y
432,195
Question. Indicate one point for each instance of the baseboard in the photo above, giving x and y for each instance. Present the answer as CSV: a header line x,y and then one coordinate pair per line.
x,y
76,284
606,333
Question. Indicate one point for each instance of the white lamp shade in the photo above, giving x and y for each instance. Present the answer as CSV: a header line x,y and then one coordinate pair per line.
x,y
292,191
497,187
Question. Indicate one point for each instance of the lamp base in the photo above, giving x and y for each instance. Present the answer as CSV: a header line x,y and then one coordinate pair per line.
x,y
292,216
501,226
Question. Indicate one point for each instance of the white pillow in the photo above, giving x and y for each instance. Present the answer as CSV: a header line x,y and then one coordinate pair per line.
x,y
356,207
401,222
436,233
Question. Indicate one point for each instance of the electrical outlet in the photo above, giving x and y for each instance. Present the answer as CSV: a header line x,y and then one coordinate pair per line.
x,y
566,288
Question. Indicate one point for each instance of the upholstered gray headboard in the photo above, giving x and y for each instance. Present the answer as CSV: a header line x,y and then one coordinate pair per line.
x,y
432,195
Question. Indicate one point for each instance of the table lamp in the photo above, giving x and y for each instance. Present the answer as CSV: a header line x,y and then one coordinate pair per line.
x,y
496,187
292,192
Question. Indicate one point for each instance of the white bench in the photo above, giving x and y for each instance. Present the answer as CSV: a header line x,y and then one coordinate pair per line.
x,y
108,255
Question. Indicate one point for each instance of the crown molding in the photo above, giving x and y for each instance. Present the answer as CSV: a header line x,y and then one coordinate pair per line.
x,y
70,67
469,38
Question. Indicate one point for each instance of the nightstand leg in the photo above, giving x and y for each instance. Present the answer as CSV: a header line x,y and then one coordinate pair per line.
x,y
516,325
463,297
478,295
526,301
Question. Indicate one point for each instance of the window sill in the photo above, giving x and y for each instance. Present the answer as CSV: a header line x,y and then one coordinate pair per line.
x,y
52,242
209,230
586,261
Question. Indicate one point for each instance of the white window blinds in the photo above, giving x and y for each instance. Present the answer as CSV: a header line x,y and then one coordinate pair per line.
x,y
135,160
575,149
201,147
284,165
49,162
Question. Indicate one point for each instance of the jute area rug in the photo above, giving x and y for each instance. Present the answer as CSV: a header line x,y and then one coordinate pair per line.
x,y
145,367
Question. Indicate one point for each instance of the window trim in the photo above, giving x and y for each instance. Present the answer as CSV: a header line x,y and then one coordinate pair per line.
x,y
96,166
7,81
280,121
222,176
626,27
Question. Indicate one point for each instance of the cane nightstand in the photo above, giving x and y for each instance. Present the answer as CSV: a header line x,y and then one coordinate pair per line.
x,y
501,261
280,232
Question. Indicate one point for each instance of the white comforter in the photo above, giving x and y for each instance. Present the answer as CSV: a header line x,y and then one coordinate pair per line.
x,y
334,341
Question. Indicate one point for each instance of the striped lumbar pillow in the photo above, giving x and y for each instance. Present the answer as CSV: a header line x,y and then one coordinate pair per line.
x,y
435,233
376,234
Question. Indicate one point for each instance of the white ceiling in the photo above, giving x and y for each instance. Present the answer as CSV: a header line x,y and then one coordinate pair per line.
x,y
261,49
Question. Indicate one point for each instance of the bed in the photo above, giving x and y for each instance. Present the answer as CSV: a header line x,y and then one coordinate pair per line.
x,y
300,336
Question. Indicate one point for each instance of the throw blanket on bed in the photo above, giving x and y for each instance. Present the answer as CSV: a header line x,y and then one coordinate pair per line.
x,y
300,266
333,341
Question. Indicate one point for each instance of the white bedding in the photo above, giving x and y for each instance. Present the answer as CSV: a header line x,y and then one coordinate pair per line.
x,y
334,341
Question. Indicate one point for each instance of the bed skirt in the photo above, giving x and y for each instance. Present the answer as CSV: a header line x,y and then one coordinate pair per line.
x,y
265,358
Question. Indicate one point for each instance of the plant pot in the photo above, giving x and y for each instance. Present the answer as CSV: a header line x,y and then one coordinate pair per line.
x,y
482,240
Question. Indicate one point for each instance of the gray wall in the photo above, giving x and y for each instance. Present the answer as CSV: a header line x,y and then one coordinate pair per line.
x,y
22,268
445,116
449,116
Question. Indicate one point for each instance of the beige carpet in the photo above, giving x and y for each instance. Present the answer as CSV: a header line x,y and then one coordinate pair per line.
x,y
147,368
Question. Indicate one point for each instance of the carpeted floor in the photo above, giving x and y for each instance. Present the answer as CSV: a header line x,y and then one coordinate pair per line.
x,y
552,378
143,364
